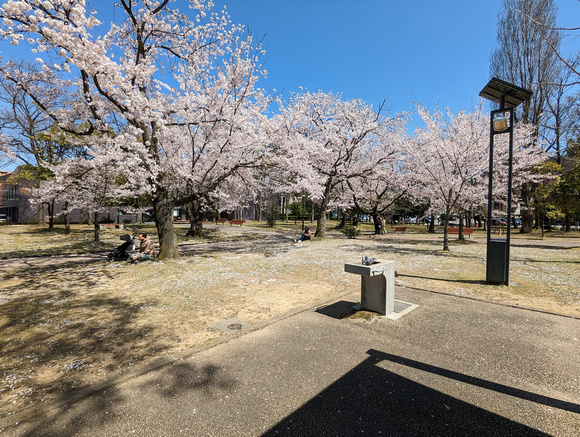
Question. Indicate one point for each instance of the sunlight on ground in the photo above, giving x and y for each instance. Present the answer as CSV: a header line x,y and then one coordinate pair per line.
x,y
68,326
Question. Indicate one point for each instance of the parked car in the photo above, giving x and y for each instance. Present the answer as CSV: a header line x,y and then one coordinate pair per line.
x,y
498,222
3,218
454,220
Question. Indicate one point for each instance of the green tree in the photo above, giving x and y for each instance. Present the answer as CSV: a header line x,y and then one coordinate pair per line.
x,y
544,193
526,56
566,194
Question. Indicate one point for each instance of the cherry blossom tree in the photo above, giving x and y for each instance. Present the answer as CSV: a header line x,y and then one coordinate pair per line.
x,y
165,90
329,141
447,159
6,153
211,159
92,184
528,154
376,192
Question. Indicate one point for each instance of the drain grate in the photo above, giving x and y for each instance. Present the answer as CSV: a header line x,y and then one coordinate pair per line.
x,y
232,325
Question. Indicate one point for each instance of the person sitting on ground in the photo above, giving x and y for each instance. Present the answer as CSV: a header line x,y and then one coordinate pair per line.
x,y
146,250
307,235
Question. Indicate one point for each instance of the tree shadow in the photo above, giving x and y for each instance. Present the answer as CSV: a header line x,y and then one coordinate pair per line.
x,y
516,243
375,401
389,247
47,262
176,379
545,261
462,281
59,341
56,242
58,272
279,244
171,381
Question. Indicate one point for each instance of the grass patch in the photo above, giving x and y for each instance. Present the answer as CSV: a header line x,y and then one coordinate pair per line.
x,y
363,315
19,241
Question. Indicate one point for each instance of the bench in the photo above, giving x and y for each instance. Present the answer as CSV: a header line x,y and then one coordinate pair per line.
x,y
222,221
115,225
400,229
237,222
466,231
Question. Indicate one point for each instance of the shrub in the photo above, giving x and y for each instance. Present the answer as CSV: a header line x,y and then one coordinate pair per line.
x,y
350,232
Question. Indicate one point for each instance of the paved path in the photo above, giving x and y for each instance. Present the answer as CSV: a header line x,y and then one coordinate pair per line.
x,y
451,367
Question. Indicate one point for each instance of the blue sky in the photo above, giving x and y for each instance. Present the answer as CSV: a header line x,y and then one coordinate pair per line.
x,y
434,52
401,51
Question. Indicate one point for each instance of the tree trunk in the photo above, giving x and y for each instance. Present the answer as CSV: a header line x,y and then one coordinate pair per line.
x,y
96,227
446,231
527,221
342,222
461,236
196,214
431,229
163,212
568,222
50,214
66,223
527,212
66,218
321,222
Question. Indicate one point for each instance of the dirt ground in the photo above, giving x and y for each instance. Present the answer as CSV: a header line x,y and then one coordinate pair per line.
x,y
72,321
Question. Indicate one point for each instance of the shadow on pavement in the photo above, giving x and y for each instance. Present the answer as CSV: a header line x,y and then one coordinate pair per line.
x,y
177,378
102,408
338,310
370,400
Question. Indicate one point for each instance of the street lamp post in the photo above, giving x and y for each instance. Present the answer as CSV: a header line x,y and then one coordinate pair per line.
x,y
509,97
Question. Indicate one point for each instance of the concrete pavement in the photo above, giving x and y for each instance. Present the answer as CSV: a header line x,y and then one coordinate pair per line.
x,y
450,367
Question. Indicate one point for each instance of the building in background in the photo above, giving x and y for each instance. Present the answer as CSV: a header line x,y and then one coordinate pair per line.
x,y
15,195
15,198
